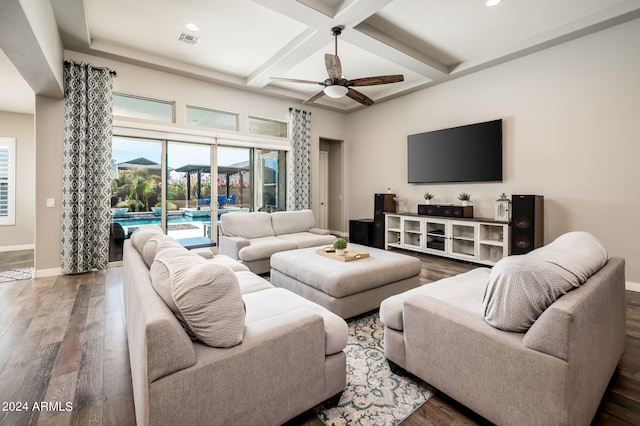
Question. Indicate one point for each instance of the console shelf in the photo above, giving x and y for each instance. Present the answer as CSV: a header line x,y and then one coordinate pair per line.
x,y
478,240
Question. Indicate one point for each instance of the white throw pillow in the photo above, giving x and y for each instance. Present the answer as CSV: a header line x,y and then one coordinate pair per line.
x,y
204,296
151,247
209,299
143,234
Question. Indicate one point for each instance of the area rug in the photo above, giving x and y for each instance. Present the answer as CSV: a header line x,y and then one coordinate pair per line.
x,y
374,395
15,274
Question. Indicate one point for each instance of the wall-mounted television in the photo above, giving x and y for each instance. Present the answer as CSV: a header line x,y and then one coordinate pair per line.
x,y
471,153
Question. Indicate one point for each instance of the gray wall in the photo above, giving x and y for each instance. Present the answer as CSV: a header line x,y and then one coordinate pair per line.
x,y
20,127
571,133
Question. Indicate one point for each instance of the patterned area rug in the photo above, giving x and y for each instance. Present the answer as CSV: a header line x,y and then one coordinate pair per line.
x,y
374,395
16,274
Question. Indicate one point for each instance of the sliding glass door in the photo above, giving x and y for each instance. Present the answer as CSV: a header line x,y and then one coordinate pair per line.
x,y
189,191
170,183
270,183
136,188
235,189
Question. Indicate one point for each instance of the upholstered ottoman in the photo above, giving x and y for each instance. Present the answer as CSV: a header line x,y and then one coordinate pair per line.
x,y
345,288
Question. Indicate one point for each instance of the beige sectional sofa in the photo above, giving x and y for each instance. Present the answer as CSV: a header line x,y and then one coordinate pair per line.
x,y
270,354
450,334
251,238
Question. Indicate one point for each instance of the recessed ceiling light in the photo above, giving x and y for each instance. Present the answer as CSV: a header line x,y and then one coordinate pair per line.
x,y
193,27
493,2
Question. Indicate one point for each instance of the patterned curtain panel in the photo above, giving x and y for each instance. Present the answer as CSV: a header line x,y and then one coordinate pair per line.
x,y
86,180
300,164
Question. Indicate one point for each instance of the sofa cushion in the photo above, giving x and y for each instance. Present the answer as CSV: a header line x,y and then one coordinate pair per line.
x,y
250,282
246,225
204,296
464,291
289,222
141,235
308,239
167,254
265,304
263,248
234,265
520,288
151,247
207,295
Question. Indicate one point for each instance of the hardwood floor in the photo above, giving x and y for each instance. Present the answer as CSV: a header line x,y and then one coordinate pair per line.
x,y
16,259
63,342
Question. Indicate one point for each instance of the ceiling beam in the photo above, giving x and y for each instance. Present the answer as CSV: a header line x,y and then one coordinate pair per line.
x,y
29,37
320,18
589,24
71,16
373,40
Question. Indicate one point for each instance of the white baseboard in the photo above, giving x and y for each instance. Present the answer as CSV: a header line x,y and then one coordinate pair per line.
x,y
632,286
42,273
16,248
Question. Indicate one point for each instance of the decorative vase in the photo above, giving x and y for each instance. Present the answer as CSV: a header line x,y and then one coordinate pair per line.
x,y
427,202
340,252
465,203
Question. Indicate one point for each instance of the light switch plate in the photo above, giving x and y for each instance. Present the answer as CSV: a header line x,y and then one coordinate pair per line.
x,y
51,202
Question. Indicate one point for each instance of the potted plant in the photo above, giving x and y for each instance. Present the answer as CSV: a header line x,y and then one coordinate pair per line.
x,y
428,197
465,197
339,245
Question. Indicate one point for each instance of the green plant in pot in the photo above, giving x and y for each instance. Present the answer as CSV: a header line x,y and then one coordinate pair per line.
x,y
428,197
465,197
339,245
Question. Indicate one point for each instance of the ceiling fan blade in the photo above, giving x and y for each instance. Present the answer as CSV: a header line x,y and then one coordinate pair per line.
x,y
314,97
295,80
381,79
332,62
357,96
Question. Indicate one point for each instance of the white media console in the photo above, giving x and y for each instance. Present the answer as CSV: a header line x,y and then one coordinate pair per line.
x,y
476,240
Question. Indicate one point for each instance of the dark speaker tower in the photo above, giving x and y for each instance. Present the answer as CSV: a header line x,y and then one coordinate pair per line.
x,y
527,225
383,203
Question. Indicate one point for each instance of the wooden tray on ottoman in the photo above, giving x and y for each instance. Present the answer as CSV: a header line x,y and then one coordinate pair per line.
x,y
349,255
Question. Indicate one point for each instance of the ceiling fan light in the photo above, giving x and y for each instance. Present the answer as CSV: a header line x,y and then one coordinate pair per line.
x,y
335,91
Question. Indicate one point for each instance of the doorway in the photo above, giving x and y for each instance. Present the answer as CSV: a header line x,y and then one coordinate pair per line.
x,y
331,185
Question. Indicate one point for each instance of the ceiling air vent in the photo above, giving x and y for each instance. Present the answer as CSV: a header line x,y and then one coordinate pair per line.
x,y
188,39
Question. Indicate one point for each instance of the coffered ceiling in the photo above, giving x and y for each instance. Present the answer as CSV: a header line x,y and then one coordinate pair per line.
x,y
244,43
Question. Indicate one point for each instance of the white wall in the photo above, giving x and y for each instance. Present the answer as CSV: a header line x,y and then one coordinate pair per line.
x,y
571,118
20,127
160,85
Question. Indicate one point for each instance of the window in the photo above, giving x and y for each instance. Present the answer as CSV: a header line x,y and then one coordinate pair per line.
x,y
143,108
7,181
203,117
268,127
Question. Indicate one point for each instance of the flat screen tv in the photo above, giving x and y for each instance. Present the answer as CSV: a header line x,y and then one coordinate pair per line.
x,y
471,153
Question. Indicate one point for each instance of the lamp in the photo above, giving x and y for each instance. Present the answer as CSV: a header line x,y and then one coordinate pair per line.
x,y
335,91
503,208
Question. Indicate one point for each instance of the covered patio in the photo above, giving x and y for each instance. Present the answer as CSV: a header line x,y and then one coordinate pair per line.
x,y
199,169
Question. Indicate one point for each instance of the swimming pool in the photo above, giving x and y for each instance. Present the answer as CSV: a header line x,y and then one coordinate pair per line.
x,y
151,220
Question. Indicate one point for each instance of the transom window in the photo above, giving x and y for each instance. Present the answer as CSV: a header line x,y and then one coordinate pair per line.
x,y
143,108
204,117
268,127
